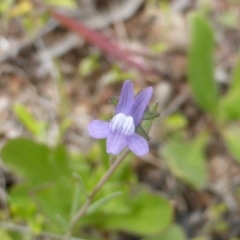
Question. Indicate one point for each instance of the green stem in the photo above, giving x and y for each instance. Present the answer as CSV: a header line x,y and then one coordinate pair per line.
x,y
88,201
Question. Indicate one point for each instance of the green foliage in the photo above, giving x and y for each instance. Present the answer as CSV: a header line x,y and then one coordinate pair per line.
x,y
231,136
187,161
172,232
62,3
229,19
200,65
229,104
48,196
153,112
117,74
96,205
103,153
88,65
5,5
45,174
153,218
201,79
159,47
140,130
175,122
5,236
28,158
217,223
34,126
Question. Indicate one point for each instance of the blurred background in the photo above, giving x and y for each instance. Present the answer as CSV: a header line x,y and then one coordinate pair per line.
x,y
61,61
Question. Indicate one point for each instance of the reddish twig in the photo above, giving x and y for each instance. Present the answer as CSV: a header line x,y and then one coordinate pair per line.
x,y
101,41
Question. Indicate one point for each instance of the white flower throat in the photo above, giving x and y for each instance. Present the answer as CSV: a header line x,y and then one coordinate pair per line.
x,y
122,124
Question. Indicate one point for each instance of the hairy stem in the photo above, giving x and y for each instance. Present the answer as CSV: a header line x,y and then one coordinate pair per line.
x,y
88,201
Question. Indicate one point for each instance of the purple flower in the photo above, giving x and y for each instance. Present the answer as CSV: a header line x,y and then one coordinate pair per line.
x,y
120,131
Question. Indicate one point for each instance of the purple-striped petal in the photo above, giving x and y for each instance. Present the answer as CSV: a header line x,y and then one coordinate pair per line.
x,y
138,145
98,129
116,143
126,98
139,105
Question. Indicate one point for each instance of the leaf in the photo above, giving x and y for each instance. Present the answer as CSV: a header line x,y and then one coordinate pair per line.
x,y
88,65
105,157
147,124
142,132
114,100
52,203
35,127
173,232
229,104
231,136
150,115
96,205
36,162
79,185
149,214
200,64
176,121
4,235
236,76
45,172
116,74
187,161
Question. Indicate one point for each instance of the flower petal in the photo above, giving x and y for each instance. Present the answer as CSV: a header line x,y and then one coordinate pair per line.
x,y
126,98
138,145
116,143
98,129
139,105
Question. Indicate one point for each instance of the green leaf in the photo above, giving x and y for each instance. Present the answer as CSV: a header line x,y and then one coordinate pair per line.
x,y
96,205
150,115
147,124
45,172
79,185
228,19
173,232
149,213
26,118
88,65
231,136
200,65
187,160
142,132
104,155
4,235
36,162
229,104
175,121
114,100
236,76
117,74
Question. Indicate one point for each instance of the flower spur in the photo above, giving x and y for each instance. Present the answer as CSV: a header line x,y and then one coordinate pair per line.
x,y
121,130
